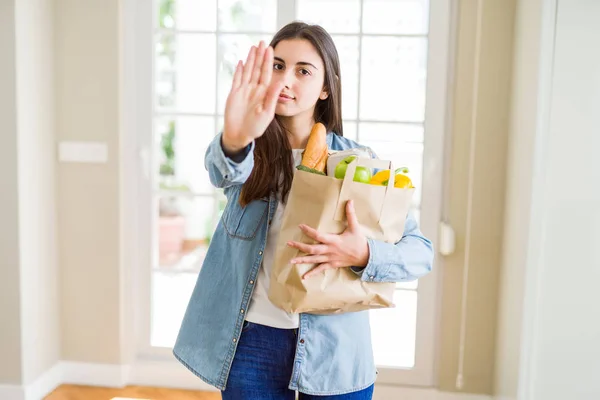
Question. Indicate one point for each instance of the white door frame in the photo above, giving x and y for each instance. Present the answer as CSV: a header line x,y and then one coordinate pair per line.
x,y
137,213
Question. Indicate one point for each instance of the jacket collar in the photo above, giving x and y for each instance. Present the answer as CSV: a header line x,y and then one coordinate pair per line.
x,y
330,136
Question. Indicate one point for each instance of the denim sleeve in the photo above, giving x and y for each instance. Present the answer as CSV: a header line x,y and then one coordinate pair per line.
x,y
225,171
407,260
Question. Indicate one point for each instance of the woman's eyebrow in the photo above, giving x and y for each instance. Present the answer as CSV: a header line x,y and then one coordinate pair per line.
x,y
298,63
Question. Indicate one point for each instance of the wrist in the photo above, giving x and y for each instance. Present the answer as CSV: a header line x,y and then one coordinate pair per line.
x,y
232,148
362,258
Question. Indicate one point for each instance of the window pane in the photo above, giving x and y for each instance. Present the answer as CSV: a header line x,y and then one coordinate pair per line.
x,y
185,72
248,15
393,331
396,16
393,79
233,48
170,295
180,146
184,228
347,47
408,285
336,16
350,130
400,143
187,14
401,133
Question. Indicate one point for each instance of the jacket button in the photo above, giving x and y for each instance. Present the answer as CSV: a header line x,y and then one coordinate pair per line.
x,y
252,282
242,311
260,252
234,340
302,341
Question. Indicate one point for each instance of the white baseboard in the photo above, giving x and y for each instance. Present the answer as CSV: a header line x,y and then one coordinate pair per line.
x,y
174,375
37,390
12,392
44,384
169,374
109,375
388,392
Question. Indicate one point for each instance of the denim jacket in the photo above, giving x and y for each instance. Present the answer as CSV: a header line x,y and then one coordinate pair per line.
x,y
333,353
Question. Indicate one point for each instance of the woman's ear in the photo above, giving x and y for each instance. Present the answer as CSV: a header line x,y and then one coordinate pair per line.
x,y
324,94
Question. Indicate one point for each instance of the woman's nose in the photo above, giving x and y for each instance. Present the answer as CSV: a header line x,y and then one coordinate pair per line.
x,y
287,78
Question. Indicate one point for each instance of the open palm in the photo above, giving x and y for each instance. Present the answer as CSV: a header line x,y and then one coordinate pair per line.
x,y
250,106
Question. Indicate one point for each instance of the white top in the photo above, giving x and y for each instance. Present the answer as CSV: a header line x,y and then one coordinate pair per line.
x,y
261,310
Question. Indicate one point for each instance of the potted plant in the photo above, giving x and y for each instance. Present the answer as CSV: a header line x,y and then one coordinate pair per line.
x,y
171,225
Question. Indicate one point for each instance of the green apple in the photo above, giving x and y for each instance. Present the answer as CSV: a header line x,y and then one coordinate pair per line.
x,y
362,174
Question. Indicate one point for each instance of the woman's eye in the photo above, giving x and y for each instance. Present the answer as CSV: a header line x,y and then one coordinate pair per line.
x,y
304,71
277,67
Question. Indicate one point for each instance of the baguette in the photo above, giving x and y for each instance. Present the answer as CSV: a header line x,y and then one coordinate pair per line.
x,y
315,154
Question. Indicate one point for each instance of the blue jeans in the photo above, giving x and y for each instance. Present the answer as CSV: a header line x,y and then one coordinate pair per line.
x,y
262,367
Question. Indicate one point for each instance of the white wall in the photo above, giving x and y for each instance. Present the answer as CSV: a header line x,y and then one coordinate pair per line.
x,y
37,208
29,334
562,355
88,109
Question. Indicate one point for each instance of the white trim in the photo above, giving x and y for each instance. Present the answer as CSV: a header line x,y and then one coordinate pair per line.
x,y
65,372
282,19
12,392
128,183
45,384
445,163
103,375
138,41
537,222
169,374
286,12
388,392
139,55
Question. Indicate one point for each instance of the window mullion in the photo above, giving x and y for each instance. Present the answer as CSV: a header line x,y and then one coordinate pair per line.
x,y
286,12
360,37
215,192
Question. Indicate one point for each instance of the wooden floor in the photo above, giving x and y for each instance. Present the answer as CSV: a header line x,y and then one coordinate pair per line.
x,y
75,392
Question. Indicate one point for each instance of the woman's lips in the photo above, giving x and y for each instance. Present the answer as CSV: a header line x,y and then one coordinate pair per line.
x,y
285,98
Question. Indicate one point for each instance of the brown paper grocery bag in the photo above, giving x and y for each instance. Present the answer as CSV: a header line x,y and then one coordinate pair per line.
x,y
320,202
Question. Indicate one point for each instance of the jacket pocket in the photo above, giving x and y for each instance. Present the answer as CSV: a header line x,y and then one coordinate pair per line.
x,y
243,223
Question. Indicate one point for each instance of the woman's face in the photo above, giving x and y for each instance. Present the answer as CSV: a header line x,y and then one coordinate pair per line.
x,y
298,65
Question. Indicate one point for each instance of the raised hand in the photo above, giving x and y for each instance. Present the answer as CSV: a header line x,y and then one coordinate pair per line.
x,y
250,106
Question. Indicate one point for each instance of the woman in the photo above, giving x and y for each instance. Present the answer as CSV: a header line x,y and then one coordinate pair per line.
x,y
232,336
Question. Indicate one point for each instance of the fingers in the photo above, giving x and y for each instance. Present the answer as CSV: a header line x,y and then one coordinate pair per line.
x,y
315,259
258,63
237,76
272,96
318,270
309,248
353,224
249,66
316,235
267,67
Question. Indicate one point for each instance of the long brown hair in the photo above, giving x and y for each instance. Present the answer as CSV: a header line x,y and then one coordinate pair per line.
x,y
272,153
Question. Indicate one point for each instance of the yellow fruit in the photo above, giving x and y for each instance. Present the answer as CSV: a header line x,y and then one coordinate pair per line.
x,y
380,177
400,180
